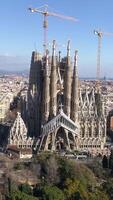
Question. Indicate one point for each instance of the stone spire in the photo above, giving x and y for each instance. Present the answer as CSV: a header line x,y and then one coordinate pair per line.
x,y
59,57
68,54
67,83
74,102
18,132
99,103
46,91
53,84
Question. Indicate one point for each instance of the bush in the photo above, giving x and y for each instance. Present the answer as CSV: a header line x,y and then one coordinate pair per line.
x,y
111,160
17,195
25,188
66,170
18,166
105,162
52,193
108,188
48,168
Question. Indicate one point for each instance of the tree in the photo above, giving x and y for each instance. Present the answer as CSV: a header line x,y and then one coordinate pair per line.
x,y
66,170
71,190
18,166
52,171
105,162
18,195
25,188
48,168
108,188
111,160
52,193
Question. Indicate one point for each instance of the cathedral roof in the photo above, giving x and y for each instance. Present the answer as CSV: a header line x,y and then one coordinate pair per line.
x,y
61,120
18,130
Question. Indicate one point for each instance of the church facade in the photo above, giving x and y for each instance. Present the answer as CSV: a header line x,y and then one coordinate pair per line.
x,y
62,115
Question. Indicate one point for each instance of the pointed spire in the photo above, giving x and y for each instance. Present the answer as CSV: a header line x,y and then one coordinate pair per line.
x,y
74,99
68,48
59,53
18,131
47,58
47,63
54,53
67,83
68,53
53,83
54,47
46,90
76,63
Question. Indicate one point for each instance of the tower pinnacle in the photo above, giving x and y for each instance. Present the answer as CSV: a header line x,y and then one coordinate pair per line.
x,y
68,53
67,82
53,83
46,90
74,102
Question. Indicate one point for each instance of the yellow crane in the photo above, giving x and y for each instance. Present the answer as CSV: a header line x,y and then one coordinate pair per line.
x,y
99,35
46,14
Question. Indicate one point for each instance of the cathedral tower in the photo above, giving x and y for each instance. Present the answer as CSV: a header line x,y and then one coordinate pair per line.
x,y
46,91
35,95
67,83
53,84
74,99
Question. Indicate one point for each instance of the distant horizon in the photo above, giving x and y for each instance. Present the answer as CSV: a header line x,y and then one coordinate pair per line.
x,y
26,71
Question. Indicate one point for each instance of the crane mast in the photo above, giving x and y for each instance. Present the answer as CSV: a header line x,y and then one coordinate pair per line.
x,y
99,35
45,14
45,26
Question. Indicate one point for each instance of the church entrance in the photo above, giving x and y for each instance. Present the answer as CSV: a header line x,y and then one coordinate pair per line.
x,y
60,139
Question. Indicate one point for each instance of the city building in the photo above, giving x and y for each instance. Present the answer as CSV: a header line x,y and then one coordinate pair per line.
x,y
5,100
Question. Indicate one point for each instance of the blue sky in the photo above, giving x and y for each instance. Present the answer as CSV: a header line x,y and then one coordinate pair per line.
x,y
21,32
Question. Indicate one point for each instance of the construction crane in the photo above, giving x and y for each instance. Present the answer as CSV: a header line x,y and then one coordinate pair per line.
x,y
99,35
46,14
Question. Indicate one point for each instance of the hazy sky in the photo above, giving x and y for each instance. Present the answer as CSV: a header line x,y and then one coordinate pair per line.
x,y
21,32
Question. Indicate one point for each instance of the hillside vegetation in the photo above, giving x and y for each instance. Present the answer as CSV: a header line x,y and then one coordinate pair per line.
x,y
63,179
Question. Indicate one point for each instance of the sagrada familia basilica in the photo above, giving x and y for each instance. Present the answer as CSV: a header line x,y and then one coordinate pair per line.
x,y
61,115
